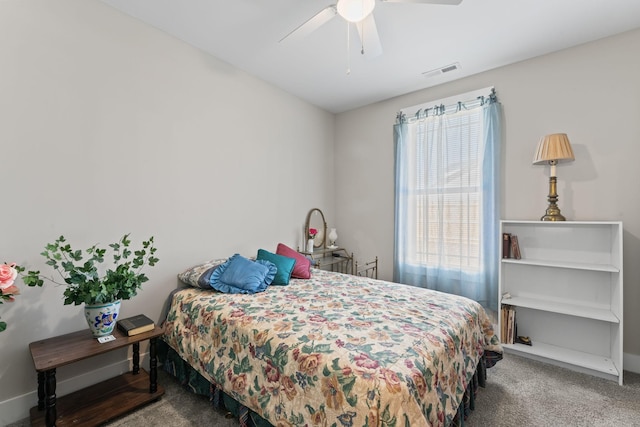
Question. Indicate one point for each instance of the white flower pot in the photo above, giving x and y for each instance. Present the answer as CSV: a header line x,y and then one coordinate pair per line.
x,y
102,317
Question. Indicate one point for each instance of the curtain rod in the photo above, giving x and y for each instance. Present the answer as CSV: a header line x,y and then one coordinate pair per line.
x,y
441,109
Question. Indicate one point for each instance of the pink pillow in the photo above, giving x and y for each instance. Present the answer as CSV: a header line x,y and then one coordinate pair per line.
x,y
302,268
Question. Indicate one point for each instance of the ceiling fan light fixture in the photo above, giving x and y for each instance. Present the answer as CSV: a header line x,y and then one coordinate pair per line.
x,y
355,10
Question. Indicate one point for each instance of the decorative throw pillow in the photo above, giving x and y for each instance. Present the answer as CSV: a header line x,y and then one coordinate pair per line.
x,y
240,275
198,275
284,264
302,268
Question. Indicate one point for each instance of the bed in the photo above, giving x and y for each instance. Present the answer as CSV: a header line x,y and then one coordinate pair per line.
x,y
336,349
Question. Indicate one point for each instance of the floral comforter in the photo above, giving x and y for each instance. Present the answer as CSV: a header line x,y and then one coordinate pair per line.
x,y
335,350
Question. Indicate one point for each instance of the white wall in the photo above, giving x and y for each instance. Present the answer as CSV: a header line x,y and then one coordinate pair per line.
x,y
590,92
108,126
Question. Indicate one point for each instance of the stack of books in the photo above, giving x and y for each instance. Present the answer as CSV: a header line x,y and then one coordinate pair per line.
x,y
508,331
510,246
135,325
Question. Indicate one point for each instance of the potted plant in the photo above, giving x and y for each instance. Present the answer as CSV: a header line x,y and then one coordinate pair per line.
x,y
100,291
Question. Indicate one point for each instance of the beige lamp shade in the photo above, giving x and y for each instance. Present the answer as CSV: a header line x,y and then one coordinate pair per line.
x,y
554,147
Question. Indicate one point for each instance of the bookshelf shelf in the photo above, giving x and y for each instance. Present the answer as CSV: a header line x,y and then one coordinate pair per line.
x,y
557,264
588,311
567,292
562,354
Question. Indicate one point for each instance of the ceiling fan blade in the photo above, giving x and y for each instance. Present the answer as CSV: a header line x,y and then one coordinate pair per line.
x,y
312,24
445,2
369,37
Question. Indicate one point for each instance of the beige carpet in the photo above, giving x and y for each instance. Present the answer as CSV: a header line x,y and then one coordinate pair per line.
x,y
523,392
520,392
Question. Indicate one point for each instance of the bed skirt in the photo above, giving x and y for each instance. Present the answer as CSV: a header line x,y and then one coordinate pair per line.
x,y
172,363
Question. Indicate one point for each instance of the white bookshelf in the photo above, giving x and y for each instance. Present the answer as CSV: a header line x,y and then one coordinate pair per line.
x,y
567,290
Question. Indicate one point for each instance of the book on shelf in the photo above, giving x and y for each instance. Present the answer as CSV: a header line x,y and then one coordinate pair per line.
x,y
506,245
135,325
508,330
515,247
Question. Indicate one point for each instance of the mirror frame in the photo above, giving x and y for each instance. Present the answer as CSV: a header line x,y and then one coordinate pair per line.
x,y
321,242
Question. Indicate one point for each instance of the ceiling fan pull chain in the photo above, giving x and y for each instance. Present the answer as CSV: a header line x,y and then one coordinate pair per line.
x,y
362,37
348,55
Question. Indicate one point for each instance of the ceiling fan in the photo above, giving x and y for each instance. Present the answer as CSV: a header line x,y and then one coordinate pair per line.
x,y
360,13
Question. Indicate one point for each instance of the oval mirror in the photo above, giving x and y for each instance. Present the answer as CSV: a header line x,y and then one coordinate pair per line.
x,y
315,219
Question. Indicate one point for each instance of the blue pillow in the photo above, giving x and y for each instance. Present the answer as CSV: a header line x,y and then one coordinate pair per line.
x,y
284,264
240,275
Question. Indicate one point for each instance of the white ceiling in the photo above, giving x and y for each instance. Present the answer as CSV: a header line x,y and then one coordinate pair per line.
x,y
477,34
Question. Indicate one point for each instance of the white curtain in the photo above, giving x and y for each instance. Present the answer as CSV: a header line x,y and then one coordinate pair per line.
x,y
446,201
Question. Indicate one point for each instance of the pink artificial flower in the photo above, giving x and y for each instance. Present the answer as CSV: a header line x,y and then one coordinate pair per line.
x,y
8,275
10,291
312,233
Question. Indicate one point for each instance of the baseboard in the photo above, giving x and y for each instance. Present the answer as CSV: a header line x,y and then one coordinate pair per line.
x,y
17,408
631,362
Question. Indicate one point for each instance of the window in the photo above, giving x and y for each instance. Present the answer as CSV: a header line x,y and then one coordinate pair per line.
x,y
446,206
445,190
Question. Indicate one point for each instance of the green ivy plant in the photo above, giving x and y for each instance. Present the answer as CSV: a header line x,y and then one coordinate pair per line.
x,y
79,270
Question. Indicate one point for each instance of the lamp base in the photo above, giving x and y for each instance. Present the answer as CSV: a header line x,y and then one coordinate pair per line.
x,y
553,211
552,215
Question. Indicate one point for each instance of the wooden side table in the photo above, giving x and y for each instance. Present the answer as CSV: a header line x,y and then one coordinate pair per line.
x,y
101,402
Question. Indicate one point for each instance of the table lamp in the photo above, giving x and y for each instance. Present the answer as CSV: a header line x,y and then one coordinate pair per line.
x,y
552,149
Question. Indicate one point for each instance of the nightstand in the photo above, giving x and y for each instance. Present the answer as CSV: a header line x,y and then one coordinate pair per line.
x,y
101,402
332,259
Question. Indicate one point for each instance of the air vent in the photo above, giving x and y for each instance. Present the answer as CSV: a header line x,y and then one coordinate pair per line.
x,y
442,70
